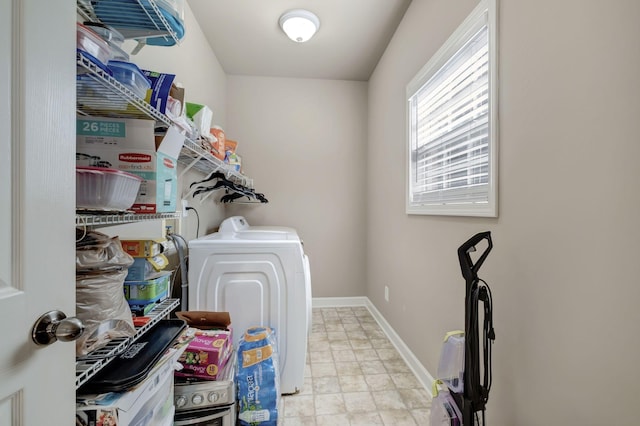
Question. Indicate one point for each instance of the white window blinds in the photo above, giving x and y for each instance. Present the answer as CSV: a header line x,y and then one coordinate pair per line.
x,y
450,139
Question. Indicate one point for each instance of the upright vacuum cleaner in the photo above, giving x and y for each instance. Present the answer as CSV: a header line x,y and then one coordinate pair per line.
x,y
474,397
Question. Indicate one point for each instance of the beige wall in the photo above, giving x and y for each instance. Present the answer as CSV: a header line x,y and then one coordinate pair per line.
x,y
562,270
303,142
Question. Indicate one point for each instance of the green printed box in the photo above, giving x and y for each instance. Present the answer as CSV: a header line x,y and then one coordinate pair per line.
x,y
146,291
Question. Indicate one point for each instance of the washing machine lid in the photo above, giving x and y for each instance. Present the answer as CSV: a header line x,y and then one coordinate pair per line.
x,y
233,224
236,228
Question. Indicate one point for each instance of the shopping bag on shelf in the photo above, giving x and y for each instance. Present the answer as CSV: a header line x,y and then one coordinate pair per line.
x,y
101,267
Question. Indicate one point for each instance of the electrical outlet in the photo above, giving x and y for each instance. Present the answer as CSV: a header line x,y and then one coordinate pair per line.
x,y
185,204
386,293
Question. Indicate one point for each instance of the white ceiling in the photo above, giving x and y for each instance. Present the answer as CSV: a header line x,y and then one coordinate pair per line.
x,y
247,40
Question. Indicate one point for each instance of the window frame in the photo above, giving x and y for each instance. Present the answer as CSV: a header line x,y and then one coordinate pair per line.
x,y
485,13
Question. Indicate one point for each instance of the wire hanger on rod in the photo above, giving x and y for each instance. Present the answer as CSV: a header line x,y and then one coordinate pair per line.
x,y
233,191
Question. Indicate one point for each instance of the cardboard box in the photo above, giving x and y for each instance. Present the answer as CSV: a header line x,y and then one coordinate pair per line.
x,y
129,145
143,247
230,146
147,291
218,147
144,268
146,404
206,354
209,350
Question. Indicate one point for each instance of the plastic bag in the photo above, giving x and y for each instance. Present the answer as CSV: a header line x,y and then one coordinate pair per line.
x,y
97,252
101,267
258,378
101,306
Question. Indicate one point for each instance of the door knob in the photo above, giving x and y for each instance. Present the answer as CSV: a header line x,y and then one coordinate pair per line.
x,y
53,326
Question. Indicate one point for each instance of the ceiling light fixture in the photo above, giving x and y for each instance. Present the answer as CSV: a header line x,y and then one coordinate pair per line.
x,y
299,25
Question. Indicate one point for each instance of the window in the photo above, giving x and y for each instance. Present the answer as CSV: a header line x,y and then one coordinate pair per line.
x,y
452,124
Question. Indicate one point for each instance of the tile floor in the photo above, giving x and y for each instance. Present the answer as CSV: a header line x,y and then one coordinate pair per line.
x,y
354,376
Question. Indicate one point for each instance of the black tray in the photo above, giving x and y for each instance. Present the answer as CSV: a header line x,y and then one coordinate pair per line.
x,y
134,364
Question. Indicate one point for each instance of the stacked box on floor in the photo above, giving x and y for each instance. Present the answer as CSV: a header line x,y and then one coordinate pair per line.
x,y
206,355
211,344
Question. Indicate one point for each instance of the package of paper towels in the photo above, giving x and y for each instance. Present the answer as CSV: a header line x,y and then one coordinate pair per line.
x,y
258,378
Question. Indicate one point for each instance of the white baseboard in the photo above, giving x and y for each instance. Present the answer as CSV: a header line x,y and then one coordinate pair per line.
x,y
334,302
421,373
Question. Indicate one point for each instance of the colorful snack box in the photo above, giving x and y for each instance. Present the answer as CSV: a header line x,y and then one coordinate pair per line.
x,y
209,350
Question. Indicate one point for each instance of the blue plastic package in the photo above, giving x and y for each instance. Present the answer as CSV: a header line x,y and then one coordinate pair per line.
x,y
258,378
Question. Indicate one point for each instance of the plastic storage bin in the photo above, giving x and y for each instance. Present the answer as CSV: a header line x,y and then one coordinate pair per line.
x,y
131,76
108,34
444,411
105,189
93,96
451,365
113,38
90,42
117,54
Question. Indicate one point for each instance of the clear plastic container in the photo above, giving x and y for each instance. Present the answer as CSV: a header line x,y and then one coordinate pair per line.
x,y
444,411
94,96
131,76
107,33
89,41
105,189
173,7
113,38
117,54
451,366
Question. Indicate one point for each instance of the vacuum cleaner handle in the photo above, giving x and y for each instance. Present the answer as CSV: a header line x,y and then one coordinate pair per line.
x,y
469,269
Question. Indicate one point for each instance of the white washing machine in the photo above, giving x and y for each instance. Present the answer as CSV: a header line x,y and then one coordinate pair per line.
x,y
260,275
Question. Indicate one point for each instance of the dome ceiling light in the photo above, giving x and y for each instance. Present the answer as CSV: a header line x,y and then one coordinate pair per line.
x,y
299,25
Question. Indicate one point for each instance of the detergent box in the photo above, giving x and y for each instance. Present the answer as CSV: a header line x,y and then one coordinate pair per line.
x,y
129,145
145,267
210,349
143,247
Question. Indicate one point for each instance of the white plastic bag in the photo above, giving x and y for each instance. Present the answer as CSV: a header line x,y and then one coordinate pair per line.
x,y
101,267
102,308
97,252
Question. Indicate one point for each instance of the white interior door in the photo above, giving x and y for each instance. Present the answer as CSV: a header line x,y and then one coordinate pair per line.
x,y
37,202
